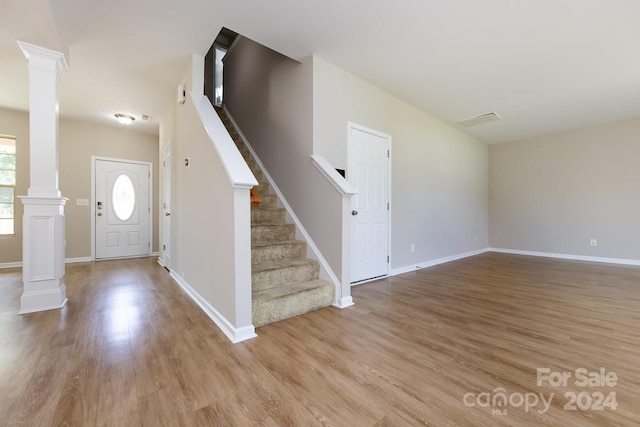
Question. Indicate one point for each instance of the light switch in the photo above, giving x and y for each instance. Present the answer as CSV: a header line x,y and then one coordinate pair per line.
x,y
82,202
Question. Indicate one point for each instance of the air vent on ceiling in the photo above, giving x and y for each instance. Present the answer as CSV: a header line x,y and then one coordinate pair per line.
x,y
145,117
478,120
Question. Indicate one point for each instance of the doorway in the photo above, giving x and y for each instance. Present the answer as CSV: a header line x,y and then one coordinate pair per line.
x,y
121,208
369,157
166,207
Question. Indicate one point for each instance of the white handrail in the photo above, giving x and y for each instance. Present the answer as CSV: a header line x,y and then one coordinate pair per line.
x,y
343,186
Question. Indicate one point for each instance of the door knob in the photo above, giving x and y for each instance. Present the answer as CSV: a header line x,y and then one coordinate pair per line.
x,y
167,214
354,213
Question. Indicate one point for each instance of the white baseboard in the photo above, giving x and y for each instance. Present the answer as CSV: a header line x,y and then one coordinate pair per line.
x,y
160,261
234,334
11,264
431,263
76,260
156,253
621,261
18,264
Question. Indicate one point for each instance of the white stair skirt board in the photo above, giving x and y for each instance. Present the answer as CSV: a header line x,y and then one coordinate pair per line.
x,y
234,334
434,262
325,268
620,261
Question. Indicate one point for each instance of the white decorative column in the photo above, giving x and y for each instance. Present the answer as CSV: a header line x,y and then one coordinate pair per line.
x,y
43,237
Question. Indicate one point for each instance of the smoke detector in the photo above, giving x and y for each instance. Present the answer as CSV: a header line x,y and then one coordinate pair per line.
x,y
480,119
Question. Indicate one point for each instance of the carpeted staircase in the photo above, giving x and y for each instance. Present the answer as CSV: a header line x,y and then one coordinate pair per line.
x,y
284,282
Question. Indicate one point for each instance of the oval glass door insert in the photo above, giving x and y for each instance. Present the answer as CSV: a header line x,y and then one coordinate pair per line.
x,y
123,197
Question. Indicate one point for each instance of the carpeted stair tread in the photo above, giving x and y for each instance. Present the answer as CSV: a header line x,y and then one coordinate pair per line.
x,y
284,282
267,215
265,232
272,274
277,250
284,302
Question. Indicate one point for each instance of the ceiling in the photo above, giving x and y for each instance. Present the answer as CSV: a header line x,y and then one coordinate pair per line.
x,y
544,66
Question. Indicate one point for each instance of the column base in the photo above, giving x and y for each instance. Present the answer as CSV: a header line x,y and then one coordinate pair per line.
x,y
31,302
43,254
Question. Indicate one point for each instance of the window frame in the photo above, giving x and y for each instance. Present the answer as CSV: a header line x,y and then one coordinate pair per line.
x,y
12,187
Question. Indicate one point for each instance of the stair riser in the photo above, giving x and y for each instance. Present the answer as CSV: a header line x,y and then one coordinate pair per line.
x,y
270,279
273,232
260,216
278,252
269,200
292,305
263,187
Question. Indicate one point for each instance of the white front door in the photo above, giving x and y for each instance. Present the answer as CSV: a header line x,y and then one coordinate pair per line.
x,y
368,172
122,209
166,210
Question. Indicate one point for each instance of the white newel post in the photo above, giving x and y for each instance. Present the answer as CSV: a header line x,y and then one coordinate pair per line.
x,y
43,238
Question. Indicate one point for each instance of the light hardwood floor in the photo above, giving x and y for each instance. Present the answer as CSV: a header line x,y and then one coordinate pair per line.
x,y
131,349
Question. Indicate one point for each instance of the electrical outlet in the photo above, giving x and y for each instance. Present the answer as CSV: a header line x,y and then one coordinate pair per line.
x,y
594,242
413,247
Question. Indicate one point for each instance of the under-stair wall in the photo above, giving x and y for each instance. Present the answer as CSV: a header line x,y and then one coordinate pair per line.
x,y
211,212
271,100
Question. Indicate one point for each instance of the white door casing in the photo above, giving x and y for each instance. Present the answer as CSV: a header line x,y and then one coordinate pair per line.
x,y
166,208
368,171
122,208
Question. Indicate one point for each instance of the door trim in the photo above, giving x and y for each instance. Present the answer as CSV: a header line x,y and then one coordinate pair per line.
x,y
350,126
166,188
93,199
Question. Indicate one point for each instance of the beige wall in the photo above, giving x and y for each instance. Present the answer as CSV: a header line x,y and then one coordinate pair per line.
x,y
439,174
208,253
78,141
554,193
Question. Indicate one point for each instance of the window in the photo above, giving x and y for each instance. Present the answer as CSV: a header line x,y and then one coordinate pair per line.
x,y
7,184
124,197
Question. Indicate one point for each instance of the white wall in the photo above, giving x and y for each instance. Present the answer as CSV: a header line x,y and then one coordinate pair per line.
x,y
554,193
439,174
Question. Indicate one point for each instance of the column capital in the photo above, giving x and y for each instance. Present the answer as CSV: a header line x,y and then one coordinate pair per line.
x,y
42,56
34,200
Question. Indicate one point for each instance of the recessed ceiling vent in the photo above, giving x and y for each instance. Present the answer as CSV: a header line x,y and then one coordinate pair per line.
x,y
146,117
479,120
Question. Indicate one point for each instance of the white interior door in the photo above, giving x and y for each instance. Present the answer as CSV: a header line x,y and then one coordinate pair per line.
x,y
122,209
166,208
368,172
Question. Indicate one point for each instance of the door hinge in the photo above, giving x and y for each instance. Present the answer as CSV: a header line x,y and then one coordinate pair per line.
x,y
388,154
149,174
148,244
164,247
387,259
164,163
387,205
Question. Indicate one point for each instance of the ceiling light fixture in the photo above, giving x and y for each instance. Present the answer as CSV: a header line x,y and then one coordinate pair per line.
x,y
125,119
